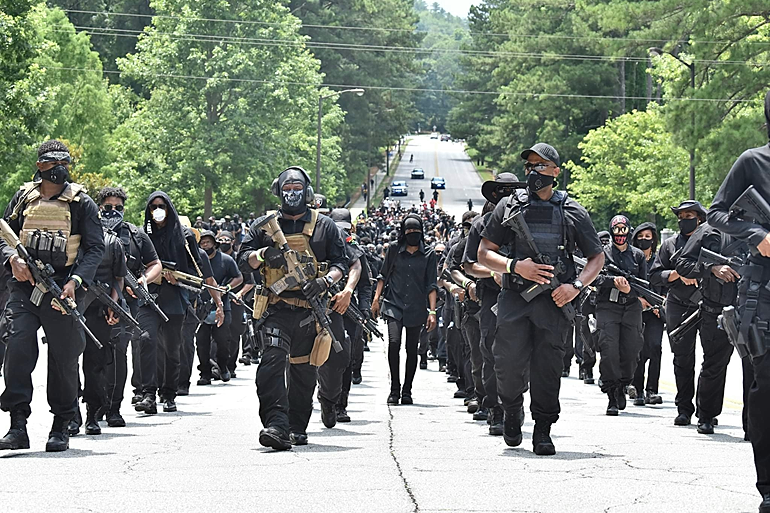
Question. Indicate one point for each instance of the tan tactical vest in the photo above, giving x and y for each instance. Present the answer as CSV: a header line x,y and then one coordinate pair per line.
x,y
299,242
50,215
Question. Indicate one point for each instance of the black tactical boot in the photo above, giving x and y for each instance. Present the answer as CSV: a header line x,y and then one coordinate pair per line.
x,y
58,438
682,420
17,437
481,414
342,414
612,407
92,426
298,438
274,438
496,426
147,405
621,398
765,506
511,430
328,413
73,428
356,379
473,405
588,378
406,397
136,398
169,405
542,444
706,426
115,419
423,362
652,398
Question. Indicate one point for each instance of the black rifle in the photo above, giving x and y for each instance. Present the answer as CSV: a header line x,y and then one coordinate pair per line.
x,y
708,257
640,286
689,323
143,295
751,206
515,221
101,291
356,315
43,275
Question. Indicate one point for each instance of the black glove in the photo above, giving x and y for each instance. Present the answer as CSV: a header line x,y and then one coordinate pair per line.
x,y
315,287
274,258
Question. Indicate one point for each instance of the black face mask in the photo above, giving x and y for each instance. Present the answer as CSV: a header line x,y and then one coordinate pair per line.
x,y
225,247
687,226
644,244
210,251
413,238
537,182
57,174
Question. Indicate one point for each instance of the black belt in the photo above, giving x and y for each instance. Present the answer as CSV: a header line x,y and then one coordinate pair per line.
x,y
711,309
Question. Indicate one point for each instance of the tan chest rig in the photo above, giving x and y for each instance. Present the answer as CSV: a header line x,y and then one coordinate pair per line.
x,y
47,230
264,297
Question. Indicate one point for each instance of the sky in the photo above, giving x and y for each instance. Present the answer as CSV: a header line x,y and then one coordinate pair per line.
x,y
456,7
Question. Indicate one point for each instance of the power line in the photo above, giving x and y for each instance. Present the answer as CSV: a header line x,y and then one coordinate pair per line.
x,y
406,89
213,38
385,29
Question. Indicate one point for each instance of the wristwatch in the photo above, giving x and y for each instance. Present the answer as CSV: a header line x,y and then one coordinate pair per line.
x,y
578,284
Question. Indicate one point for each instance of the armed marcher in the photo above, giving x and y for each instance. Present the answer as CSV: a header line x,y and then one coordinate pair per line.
x,y
529,342
290,330
752,169
56,221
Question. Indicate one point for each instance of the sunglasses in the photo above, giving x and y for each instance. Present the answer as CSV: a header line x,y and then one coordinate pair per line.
x,y
529,166
156,207
109,208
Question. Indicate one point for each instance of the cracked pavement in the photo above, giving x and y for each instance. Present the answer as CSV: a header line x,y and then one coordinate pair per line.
x,y
430,457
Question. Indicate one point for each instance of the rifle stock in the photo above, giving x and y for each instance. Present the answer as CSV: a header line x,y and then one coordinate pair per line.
x,y
144,298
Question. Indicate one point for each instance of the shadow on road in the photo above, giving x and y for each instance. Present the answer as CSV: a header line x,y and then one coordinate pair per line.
x,y
71,453
521,452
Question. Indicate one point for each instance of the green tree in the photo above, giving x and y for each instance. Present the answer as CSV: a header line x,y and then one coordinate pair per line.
x,y
223,116
631,165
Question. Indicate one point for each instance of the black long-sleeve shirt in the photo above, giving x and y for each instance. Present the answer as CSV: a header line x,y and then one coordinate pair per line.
x,y
631,260
471,254
412,278
751,168
326,242
665,264
84,216
706,236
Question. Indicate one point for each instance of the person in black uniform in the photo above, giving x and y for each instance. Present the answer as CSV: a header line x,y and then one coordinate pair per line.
x,y
175,245
682,301
645,237
142,261
408,288
753,168
619,316
238,326
289,332
226,274
529,340
357,291
487,289
48,213
102,322
719,287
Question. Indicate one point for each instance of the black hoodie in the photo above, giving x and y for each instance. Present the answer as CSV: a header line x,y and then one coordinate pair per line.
x,y
655,241
170,242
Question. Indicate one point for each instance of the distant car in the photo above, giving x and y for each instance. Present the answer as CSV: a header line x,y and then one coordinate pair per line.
x,y
434,135
399,188
445,137
418,173
437,182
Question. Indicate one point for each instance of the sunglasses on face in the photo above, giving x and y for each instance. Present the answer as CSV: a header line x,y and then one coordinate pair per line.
x,y
157,206
109,208
539,166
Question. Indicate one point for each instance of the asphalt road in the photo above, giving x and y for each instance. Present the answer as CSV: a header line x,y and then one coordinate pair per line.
x,y
428,457
446,159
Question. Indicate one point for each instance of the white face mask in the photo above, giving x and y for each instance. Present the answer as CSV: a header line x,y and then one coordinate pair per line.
x,y
159,215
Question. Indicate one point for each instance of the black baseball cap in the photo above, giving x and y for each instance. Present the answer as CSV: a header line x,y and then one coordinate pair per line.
x,y
546,151
342,217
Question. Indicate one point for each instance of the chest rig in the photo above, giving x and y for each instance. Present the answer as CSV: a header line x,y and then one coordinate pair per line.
x,y
47,229
547,224
299,242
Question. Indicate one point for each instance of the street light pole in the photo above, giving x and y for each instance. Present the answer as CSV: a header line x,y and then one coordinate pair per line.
x,y
359,92
691,66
